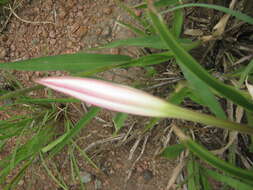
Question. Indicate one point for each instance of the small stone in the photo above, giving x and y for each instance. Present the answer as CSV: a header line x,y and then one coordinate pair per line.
x,y
13,48
3,52
85,177
148,175
107,11
52,34
98,184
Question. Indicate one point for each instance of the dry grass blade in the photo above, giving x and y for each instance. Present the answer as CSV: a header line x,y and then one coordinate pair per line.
x,y
27,21
177,170
107,140
138,158
219,28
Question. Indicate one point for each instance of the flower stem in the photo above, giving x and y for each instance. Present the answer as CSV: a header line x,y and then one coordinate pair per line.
x,y
182,113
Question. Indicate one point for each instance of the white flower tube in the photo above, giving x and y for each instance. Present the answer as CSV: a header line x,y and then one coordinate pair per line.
x,y
109,95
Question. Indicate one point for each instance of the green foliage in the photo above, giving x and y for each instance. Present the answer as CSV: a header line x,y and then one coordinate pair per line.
x,y
152,32
173,151
119,121
73,63
2,2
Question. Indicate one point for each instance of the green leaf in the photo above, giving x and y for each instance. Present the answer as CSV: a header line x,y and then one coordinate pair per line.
x,y
203,91
231,12
147,60
17,93
149,42
132,28
68,62
234,183
32,147
14,182
204,180
178,22
119,121
173,151
217,162
185,59
246,71
193,175
178,96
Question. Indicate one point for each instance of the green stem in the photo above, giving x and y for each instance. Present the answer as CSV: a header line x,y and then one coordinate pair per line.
x,y
182,113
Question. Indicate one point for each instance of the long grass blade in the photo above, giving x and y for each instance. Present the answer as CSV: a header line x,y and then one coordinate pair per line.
x,y
204,93
68,62
231,12
234,183
193,66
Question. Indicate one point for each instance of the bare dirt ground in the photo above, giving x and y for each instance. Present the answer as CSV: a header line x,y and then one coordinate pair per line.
x,y
73,26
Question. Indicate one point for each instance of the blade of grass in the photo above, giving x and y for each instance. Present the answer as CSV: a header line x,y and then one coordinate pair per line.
x,y
51,174
246,72
204,93
77,170
173,151
17,93
32,147
68,62
85,156
208,157
118,121
204,180
193,66
193,173
231,12
178,22
149,42
132,28
147,60
234,183
14,182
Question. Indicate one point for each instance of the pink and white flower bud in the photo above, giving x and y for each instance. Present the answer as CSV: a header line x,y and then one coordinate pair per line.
x,y
109,95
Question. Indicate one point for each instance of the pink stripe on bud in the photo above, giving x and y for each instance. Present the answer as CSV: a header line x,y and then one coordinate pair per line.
x,y
109,95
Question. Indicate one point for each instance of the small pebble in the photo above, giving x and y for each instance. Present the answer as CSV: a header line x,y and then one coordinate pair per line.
x,y
85,177
107,11
52,34
148,175
3,52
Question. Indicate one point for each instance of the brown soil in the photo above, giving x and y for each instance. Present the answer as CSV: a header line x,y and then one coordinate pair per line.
x,y
78,25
